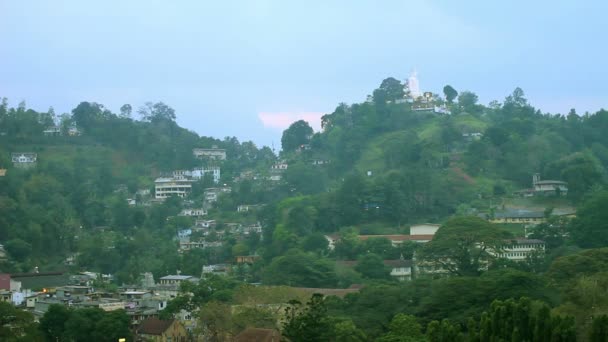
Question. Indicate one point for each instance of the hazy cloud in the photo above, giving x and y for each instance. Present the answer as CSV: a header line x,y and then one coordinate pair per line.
x,y
282,120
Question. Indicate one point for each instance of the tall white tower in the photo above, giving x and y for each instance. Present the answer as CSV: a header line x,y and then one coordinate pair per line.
x,y
414,87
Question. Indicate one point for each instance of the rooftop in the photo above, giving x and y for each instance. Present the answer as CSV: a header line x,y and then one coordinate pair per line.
x,y
176,277
398,237
154,326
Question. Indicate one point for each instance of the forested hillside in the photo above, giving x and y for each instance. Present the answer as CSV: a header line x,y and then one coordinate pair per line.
x,y
334,211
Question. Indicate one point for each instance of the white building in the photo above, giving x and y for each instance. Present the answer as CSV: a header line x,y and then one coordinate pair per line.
x,y
549,186
424,229
521,249
24,159
213,153
193,212
214,171
175,279
167,187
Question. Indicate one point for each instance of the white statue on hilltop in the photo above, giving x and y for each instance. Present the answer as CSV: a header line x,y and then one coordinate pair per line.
x,y
413,86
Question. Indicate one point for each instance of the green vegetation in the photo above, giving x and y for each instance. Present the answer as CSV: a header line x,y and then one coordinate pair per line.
x,y
375,168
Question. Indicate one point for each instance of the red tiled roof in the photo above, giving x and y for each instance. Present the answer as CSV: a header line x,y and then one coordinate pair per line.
x,y
154,326
399,237
258,335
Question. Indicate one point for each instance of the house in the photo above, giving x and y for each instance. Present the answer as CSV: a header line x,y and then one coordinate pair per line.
x,y
520,249
398,239
317,162
472,136
243,208
549,187
154,329
52,131
544,188
279,166
2,172
518,216
211,194
401,269
424,229
247,259
193,212
188,245
24,159
250,228
73,131
214,171
218,269
175,279
258,335
167,187
212,153
204,224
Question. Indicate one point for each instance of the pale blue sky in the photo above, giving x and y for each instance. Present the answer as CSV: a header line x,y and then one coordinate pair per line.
x,y
224,64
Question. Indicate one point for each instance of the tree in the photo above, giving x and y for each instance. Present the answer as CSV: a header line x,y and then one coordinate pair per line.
x,y
125,111
371,266
463,245
590,227
403,328
298,134
297,268
315,242
216,318
157,112
52,323
391,89
307,323
450,93
18,249
468,101
347,331
16,324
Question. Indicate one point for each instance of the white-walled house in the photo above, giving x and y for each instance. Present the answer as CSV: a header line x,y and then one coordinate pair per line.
x,y
213,153
424,229
24,159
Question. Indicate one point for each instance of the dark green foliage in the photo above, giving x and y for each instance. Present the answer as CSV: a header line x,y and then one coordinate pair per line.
x,y
17,324
297,268
524,320
298,134
450,93
403,328
590,228
307,323
371,266
60,323
464,245
599,329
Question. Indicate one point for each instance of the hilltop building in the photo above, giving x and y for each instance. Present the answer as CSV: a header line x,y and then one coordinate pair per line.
x,y
212,153
24,159
544,188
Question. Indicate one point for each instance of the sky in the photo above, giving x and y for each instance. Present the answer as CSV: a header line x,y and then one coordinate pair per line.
x,y
250,68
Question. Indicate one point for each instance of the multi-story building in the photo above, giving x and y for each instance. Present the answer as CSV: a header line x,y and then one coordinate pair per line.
x,y
520,249
167,187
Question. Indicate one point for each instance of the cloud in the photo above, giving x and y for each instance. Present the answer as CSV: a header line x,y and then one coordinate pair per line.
x,y
282,120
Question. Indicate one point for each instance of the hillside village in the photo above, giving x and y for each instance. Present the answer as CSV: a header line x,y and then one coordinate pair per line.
x,y
368,203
